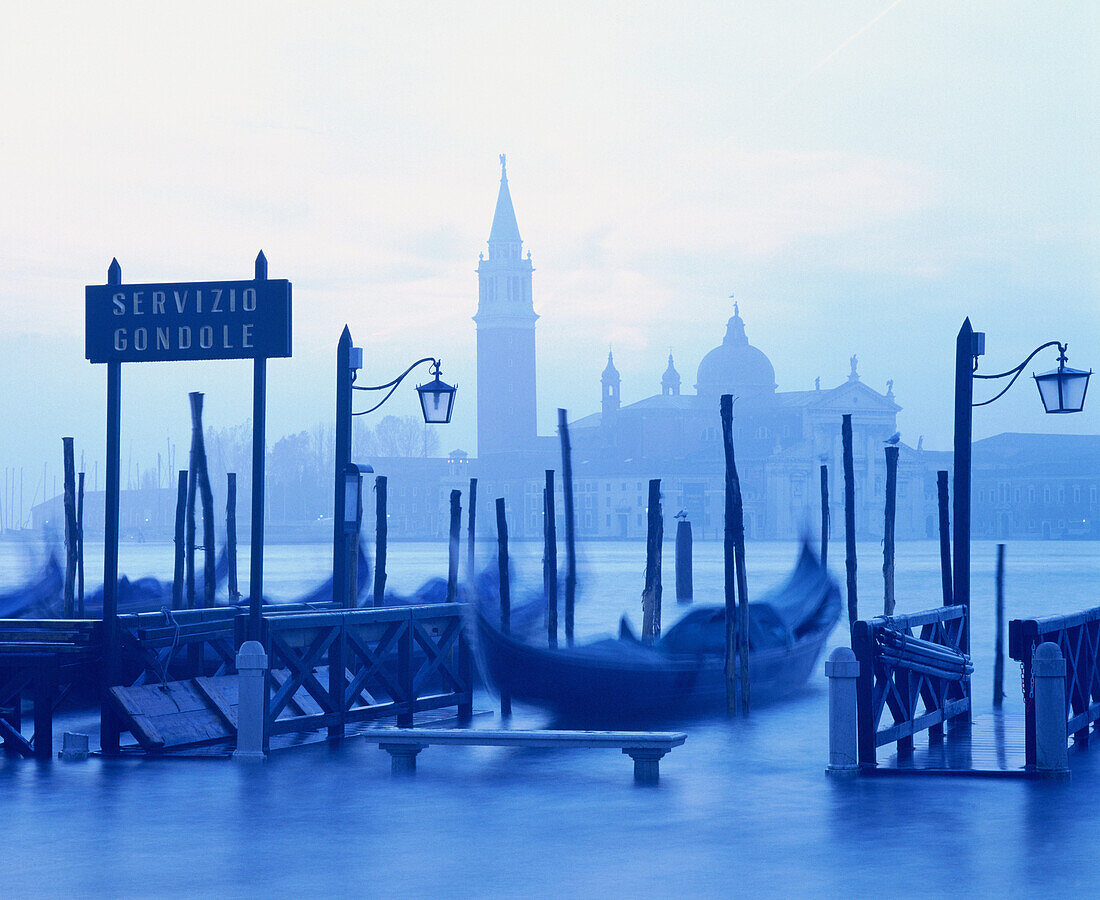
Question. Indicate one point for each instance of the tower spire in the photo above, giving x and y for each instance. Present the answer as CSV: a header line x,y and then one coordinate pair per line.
x,y
670,381
504,236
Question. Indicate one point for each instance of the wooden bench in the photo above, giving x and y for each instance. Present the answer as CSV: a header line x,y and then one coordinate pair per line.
x,y
644,747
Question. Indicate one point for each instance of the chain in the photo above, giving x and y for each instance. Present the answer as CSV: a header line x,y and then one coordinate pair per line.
x,y
1031,686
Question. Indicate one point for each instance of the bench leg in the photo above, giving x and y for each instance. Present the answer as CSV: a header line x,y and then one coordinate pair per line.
x,y
402,757
646,765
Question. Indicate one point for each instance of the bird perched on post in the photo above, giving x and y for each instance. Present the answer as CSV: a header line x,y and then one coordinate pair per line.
x,y
682,514
893,439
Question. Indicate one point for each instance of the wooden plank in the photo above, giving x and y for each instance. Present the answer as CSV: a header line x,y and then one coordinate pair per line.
x,y
20,648
14,742
58,635
378,710
904,729
300,723
176,714
302,700
54,624
218,691
141,726
37,631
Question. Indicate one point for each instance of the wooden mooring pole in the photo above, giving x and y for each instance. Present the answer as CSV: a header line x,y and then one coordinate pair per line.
x,y
231,534
651,596
505,593
80,543
849,519
452,555
945,536
202,482
888,531
570,525
824,515
180,540
999,633
735,580
381,532
550,559
685,588
729,570
70,526
189,562
471,557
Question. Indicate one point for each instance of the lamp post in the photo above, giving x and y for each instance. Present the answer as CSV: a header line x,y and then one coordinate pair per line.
x,y
436,403
1062,390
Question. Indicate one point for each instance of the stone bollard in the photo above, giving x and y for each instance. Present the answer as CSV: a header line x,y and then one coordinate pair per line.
x,y
842,670
252,675
1048,667
74,747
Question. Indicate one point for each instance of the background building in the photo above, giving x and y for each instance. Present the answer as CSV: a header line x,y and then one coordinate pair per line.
x,y
781,438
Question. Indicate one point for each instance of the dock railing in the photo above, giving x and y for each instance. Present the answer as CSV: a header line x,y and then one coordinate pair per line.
x,y
923,678
379,662
183,643
155,644
1078,637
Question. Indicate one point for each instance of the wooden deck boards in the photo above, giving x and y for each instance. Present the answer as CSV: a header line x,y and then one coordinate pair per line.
x,y
992,747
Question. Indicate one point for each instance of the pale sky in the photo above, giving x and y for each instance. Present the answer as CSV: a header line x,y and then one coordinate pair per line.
x,y
861,175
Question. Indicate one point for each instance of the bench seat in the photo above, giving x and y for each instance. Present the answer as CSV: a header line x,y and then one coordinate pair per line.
x,y
645,747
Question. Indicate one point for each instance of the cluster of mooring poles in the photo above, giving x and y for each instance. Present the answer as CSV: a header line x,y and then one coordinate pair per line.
x,y
549,556
1062,391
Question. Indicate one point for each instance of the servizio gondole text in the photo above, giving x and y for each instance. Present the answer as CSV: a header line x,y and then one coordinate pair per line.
x,y
197,320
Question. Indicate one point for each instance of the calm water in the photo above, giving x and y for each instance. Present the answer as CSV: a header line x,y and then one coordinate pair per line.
x,y
743,807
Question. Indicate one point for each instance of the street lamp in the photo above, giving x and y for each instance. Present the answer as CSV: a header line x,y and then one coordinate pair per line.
x,y
436,402
1062,390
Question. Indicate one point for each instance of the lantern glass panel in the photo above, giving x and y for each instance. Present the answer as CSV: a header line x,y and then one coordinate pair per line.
x,y
1074,385
351,498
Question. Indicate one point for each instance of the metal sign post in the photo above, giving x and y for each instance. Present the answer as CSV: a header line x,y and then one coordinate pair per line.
x,y
173,322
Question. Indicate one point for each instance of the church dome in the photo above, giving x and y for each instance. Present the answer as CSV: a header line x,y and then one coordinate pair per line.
x,y
736,367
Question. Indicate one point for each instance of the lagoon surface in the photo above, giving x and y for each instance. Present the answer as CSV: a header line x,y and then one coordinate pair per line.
x,y
743,808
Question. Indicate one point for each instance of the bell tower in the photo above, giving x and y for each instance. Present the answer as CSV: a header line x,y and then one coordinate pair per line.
x,y
610,382
505,320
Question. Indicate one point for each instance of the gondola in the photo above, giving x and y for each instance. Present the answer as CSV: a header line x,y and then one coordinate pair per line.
x,y
683,672
40,593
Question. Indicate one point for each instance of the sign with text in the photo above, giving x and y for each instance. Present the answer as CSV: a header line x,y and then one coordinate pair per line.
x,y
190,320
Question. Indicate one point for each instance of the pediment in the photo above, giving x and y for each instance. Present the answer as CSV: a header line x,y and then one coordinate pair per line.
x,y
854,395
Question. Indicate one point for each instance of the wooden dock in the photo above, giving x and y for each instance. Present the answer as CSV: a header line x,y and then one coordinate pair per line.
x,y
991,747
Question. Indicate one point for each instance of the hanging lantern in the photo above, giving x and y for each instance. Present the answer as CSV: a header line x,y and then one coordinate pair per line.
x,y
436,398
1062,390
